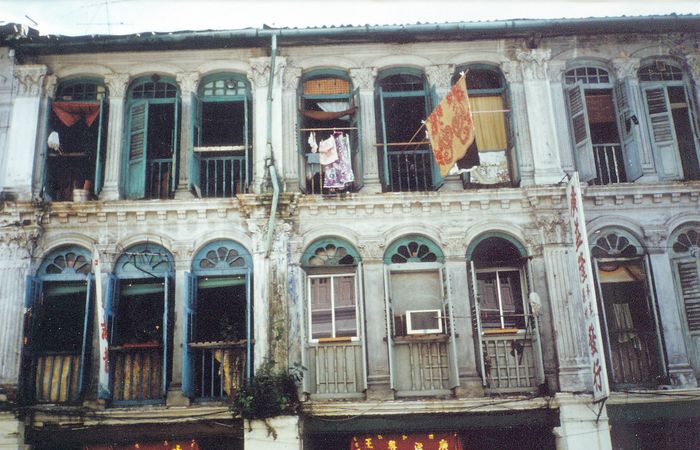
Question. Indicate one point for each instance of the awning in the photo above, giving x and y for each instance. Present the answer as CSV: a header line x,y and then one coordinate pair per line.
x,y
69,113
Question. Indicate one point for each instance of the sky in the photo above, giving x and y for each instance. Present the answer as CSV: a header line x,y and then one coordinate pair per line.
x,y
80,17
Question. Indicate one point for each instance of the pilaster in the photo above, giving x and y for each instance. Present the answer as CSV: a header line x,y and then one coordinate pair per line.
x,y
23,131
183,255
540,111
290,114
116,85
363,78
187,82
285,435
583,425
521,133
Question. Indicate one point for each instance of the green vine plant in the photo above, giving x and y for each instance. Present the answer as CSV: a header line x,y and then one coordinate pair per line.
x,y
269,393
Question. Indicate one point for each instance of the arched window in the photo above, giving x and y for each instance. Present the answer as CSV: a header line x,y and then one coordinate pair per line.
x,y
685,251
334,316
419,317
672,118
628,314
77,139
490,106
152,138
506,335
217,355
603,136
56,355
403,101
329,128
221,136
139,316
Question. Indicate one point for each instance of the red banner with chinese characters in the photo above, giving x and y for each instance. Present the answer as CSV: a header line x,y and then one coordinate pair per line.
x,y
451,127
163,445
419,441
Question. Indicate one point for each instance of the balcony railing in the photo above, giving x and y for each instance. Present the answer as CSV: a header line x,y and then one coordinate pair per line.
x,y
137,373
422,365
336,369
608,163
159,178
634,358
219,368
509,362
408,167
223,176
57,378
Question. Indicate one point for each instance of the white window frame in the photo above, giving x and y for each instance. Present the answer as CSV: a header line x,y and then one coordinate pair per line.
x,y
331,277
523,293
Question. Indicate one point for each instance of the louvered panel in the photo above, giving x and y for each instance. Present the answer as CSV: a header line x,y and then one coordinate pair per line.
x,y
690,286
138,123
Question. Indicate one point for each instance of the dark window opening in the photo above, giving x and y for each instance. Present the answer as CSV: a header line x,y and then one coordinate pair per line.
x,y
161,123
481,79
402,82
684,132
140,313
221,309
223,123
61,318
495,252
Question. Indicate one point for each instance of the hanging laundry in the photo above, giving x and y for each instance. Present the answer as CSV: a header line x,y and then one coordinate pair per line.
x,y
328,151
339,174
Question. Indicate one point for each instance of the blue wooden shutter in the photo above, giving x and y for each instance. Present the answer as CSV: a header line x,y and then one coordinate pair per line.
x,y
195,141
629,131
189,335
137,145
167,293
694,117
476,323
388,308
449,319
111,305
432,100
689,279
663,134
99,156
85,347
247,142
580,132
32,300
381,125
249,325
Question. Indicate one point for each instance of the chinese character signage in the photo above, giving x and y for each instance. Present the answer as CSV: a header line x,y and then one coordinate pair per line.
x,y
420,441
584,276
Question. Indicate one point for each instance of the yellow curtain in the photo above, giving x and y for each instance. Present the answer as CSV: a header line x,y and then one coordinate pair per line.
x,y
489,126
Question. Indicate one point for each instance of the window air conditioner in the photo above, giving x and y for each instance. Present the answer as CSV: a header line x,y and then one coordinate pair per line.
x,y
425,321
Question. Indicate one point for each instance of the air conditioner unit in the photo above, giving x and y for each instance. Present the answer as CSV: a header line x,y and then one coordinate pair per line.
x,y
424,321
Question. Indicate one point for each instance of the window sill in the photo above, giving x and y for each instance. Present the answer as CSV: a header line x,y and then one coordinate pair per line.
x,y
420,338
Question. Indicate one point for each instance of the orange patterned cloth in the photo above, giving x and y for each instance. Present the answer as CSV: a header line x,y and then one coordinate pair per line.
x,y
451,127
419,441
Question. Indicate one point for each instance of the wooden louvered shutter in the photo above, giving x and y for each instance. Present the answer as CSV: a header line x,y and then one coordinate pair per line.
x,y
580,132
663,136
689,276
137,137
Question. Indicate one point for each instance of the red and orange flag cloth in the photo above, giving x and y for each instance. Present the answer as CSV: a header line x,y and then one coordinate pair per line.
x,y
451,127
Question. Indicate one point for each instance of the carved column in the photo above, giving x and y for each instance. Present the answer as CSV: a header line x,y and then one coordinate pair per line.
x,y
183,256
540,111
521,132
290,114
7,65
567,312
116,84
555,69
363,78
187,82
679,369
24,125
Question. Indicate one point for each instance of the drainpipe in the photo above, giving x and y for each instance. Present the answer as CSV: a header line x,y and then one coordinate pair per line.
x,y
269,160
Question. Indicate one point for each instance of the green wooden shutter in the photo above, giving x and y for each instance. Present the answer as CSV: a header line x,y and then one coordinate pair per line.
x,y
450,322
389,324
189,335
168,292
247,142
359,289
99,154
137,145
694,118
432,100
195,141
663,135
629,131
476,324
356,156
249,324
32,300
580,132
381,125
176,141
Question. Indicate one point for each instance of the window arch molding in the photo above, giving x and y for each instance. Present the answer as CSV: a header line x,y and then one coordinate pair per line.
x,y
156,79
144,260
413,249
615,243
220,257
678,69
685,241
330,252
238,77
66,84
68,262
498,235
591,72
383,74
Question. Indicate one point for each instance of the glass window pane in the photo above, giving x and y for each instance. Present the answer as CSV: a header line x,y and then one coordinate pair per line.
x,y
321,317
345,308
